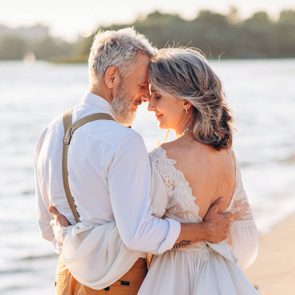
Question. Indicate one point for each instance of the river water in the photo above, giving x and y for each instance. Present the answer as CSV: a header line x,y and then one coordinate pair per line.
x,y
261,94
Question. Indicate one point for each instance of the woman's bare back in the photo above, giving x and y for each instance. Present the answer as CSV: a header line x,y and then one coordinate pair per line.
x,y
210,173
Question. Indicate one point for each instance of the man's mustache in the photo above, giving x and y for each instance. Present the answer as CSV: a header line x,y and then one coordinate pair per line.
x,y
138,102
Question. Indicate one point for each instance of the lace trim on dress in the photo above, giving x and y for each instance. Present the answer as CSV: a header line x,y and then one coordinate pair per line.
x,y
239,205
181,203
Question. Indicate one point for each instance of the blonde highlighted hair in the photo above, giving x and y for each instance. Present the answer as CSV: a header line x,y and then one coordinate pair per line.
x,y
185,74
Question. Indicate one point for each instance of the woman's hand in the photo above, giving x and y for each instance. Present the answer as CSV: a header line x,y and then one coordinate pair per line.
x,y
59,224
59,219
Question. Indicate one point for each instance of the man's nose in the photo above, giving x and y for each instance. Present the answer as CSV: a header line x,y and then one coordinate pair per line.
x,y
146,97
146,94
151,107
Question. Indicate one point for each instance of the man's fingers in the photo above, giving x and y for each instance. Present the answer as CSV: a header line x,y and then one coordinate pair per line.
x,y
216,205
228,215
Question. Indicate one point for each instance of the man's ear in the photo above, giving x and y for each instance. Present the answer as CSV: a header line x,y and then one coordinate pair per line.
x,y
111,76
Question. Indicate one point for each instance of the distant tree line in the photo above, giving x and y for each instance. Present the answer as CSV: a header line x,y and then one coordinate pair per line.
x,y
16,48
217,35
222,35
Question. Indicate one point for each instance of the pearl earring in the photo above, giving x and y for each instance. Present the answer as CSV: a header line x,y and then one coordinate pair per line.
x,y
186,111
167,135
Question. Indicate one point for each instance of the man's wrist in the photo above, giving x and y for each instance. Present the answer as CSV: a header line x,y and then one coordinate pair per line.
x,y
182,244
198,232
201,232
192,233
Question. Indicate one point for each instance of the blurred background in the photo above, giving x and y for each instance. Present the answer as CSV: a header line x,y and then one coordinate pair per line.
x,y
43,71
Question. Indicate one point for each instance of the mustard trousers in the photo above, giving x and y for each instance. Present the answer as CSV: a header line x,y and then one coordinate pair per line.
x,y
129,284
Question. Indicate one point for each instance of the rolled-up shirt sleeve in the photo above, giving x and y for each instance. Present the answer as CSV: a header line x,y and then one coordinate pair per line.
x,y
129,179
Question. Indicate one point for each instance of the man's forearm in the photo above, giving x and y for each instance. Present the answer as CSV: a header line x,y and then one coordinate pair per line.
x,y
214,230
192,233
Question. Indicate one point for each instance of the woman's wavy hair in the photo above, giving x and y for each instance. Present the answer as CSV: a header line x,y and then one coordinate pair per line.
x,y
185,74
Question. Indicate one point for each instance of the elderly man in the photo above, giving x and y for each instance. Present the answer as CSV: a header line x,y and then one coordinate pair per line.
x,y
109,173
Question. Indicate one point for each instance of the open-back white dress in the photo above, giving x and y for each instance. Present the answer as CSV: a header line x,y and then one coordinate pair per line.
x,y
202,268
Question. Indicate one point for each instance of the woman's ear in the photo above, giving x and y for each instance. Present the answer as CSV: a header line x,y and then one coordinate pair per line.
x,y
186,105
111,76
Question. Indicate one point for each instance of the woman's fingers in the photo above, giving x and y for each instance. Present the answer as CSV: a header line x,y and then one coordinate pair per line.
x,y
60,219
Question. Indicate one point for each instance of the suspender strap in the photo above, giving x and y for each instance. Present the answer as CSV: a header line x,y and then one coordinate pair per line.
x,y
69,130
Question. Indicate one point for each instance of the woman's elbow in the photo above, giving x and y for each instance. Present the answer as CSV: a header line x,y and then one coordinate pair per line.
x,y
249,252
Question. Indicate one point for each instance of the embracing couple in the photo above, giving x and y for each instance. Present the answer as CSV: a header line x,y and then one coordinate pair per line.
x,y
108,205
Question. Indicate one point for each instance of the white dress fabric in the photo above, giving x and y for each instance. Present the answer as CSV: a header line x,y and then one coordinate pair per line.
x,y
202,268
183,271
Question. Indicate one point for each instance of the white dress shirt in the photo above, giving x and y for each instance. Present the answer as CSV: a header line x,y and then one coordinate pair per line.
x,y
109,177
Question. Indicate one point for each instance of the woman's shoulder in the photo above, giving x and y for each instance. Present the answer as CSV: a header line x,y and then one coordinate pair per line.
x,y
164,148
174,149
159,156
168,146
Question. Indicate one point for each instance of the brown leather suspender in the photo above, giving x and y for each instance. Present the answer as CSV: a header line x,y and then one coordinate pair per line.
x,y
69,129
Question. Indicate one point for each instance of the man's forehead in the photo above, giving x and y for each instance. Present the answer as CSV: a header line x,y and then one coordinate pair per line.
x,y
143,61
141,75
141,68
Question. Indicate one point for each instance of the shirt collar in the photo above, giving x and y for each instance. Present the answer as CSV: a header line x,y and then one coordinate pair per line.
x,y
98,102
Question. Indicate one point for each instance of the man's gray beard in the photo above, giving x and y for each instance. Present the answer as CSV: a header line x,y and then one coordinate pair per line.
x,y
121,107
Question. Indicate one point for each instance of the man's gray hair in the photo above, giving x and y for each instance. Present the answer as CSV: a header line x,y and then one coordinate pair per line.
x,y
117,48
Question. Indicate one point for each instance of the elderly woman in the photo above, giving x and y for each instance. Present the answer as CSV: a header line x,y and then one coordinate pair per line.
x,y
197,168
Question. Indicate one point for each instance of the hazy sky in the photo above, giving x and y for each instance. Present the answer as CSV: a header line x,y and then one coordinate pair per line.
x,y
68,18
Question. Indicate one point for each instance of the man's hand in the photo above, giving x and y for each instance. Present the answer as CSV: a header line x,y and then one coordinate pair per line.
x,y
58,219
217,223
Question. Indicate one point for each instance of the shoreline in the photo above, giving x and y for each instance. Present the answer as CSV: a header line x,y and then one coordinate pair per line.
x,y
274,269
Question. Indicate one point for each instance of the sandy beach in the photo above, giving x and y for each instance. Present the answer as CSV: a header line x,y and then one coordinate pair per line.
x,y
274,270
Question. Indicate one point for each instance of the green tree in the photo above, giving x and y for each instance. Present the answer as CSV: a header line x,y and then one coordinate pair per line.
x,y
12,48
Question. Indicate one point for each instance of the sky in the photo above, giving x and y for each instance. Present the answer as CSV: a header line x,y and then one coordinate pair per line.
x,y
68,18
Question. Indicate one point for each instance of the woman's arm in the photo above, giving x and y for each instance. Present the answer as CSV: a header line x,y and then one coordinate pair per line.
x,y
244,236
